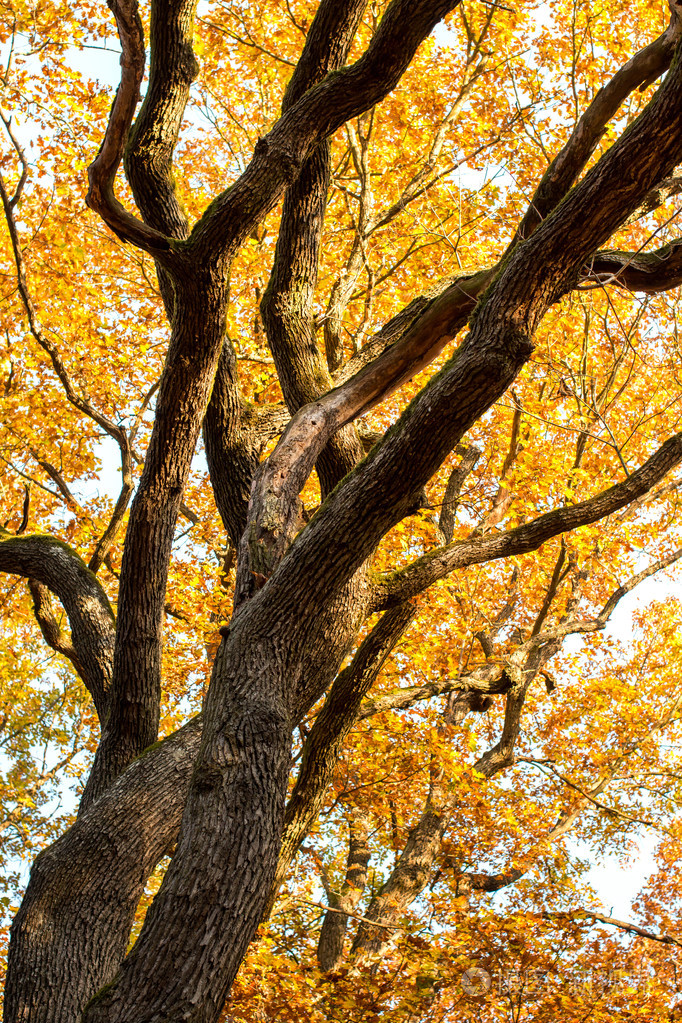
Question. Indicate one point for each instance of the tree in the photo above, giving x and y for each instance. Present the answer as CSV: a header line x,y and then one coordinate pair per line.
x,y
409,525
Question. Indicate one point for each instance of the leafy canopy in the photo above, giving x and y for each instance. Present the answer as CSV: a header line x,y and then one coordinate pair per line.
x,y
430,183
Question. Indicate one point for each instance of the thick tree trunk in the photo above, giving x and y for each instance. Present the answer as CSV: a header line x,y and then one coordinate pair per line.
x,y
73,927
301,599
237,792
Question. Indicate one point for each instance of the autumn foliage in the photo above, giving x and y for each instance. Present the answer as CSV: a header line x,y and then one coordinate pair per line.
x,y
522,721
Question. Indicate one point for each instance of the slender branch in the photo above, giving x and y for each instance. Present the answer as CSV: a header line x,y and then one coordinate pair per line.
x,y
576,626
630,928
101,551
446,520
83,405
332,725
23,162
354,916
79,402
436,564
53,634
340,910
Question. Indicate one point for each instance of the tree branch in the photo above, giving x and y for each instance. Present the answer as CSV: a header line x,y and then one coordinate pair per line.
x,y
55,565
102,172
335,923
587,914
49,626
332,725
116,432
153,137
436,564
344,94
531,279
648,272
639,72
448,512
287,305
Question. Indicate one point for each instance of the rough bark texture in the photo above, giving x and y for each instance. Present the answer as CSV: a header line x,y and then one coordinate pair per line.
x,y
71,932
219,785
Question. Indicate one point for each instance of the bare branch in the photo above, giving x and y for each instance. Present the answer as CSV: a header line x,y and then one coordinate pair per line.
x,y
648,272
630,928
23,162
81,403
575,626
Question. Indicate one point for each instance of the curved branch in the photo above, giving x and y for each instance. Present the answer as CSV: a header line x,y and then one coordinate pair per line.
x,y
57,566
79,402
149,151
50,627
491,679
649,272
343,94
102,171
283,475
